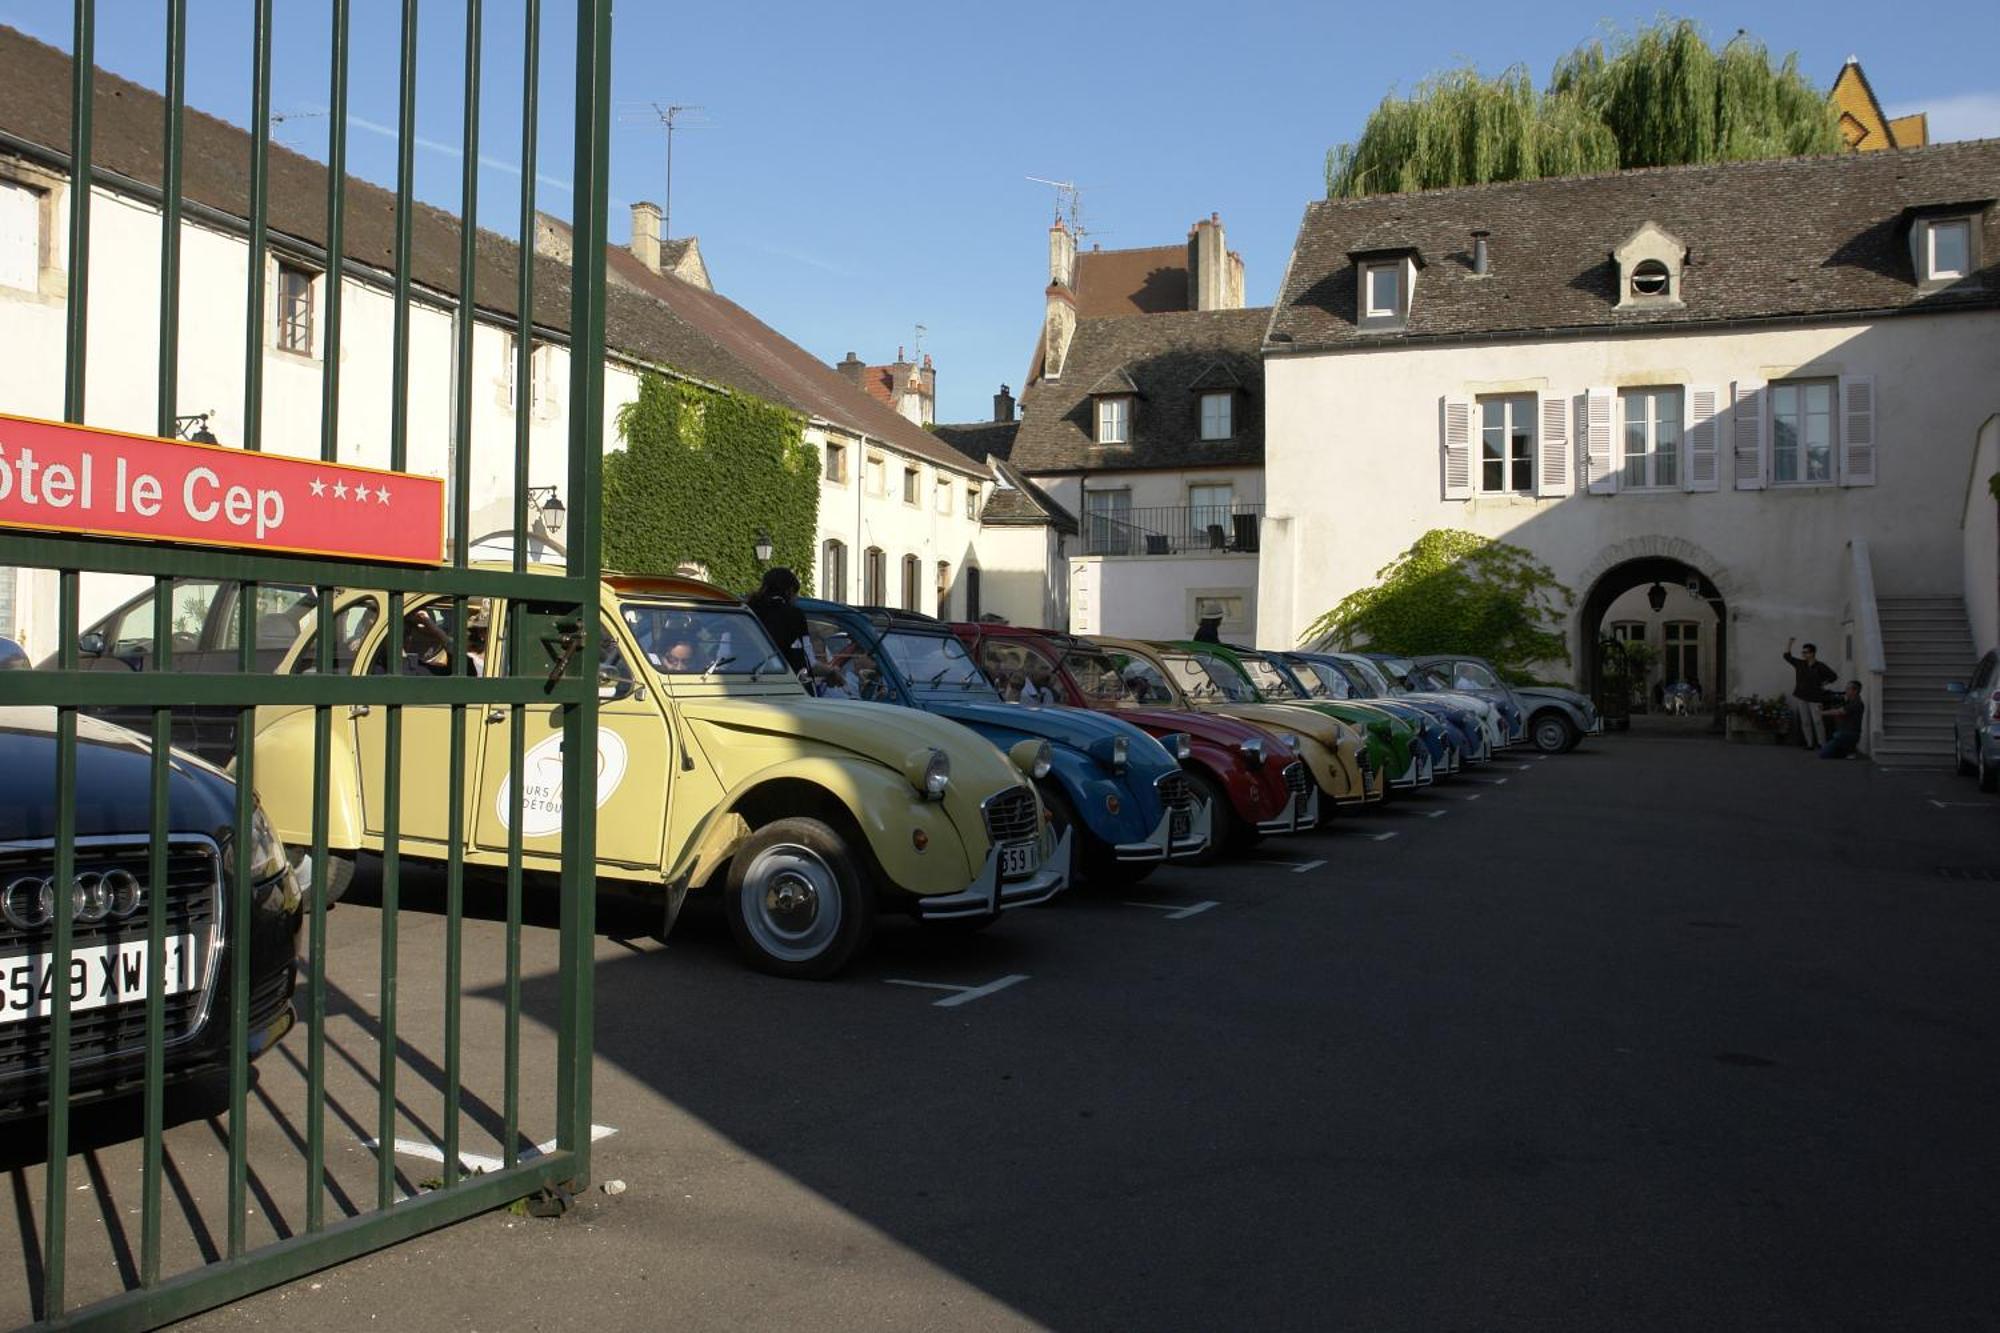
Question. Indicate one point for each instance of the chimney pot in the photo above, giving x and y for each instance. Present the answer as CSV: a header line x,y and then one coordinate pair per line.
x,y
1480,257
1003,404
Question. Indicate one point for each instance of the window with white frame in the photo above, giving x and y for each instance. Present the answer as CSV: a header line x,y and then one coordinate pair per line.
x,y
833,569
1507,444
1629,631
1381,290
971,500
1680,658
1804,426
539,386
1114,420
1215,416
1209,506
1652,437
20,236
1947,249
295,309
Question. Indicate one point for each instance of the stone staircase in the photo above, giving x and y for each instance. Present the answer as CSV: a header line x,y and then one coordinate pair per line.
x,y
1926,644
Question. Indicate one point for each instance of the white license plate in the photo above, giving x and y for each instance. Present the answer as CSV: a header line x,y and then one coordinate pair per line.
x,y
100,975
1018,861
1179,826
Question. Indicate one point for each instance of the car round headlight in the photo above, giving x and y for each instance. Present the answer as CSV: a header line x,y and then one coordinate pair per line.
x,y
1291,738
937,775
1253,751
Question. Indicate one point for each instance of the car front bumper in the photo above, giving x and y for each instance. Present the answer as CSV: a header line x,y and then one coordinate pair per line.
x,y
1162,845
1301,810
990,895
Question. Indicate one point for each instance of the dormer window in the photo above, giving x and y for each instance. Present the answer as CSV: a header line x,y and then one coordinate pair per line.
x,y
1385,278
1649,269
1948,249
1216,414
1114,420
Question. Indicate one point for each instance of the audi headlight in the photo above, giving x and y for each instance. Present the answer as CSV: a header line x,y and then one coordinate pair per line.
x,y
267,849
1033,757
1253,751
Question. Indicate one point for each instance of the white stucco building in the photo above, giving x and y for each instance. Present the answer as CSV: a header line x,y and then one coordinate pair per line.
x,y
897,506
1759,386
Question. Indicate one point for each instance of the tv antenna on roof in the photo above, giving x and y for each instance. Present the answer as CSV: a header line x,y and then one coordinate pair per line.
x,y
921,331
1069,204
669,117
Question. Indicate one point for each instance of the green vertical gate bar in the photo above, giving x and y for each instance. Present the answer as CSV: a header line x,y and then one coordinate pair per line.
x,y
83,87
163,643
524,330
586,458
329,450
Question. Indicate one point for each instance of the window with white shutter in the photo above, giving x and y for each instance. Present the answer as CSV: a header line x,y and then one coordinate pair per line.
x,y
1704,432
1457,449
1857,430
1554,480
1597,440
1746,434
20,237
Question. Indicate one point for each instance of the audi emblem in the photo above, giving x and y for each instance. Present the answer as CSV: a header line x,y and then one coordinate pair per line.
x,y
29,903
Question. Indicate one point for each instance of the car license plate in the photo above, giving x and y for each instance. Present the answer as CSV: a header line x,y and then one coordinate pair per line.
x,y
1180,824
1018,861
99,976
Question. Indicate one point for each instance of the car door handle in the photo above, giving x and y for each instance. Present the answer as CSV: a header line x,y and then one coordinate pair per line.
x,y
495,714
358,710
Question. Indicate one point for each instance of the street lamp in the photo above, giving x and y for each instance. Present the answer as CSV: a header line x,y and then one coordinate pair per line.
x,y
763,547
194,427
550,507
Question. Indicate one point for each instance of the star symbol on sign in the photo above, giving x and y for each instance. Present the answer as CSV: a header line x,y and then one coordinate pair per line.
x,y
361,495
319,487
382,494
340,490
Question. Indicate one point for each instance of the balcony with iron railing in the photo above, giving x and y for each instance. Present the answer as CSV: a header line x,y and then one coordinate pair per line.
x,y
1220,529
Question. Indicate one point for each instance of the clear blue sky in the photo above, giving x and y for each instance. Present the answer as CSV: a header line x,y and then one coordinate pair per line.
x,y
862,169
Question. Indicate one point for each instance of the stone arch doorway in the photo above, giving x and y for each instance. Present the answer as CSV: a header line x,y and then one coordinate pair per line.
x,y
1663,577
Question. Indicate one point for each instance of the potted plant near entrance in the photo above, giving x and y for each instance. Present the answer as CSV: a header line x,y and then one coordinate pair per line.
x,y
1758,719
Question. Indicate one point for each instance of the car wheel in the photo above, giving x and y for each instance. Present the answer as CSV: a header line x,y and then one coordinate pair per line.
x,y
1964,765
1989,776
1225,830
796,901
339,872
1552,732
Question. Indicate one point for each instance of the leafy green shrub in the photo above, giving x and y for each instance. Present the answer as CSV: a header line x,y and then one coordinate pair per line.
x,y
701,474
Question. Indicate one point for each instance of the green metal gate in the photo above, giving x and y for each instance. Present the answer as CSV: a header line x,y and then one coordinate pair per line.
x,y
568,682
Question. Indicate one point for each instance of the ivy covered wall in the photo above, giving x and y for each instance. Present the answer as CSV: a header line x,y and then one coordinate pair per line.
x,y
701,474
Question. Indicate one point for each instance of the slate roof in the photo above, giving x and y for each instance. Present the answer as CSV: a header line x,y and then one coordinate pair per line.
x,y
1788,238
652,318
982,440
1019,502
1163,356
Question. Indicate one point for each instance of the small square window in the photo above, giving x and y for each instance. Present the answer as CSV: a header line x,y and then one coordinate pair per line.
x,y
1950,245
1215,416
1383,292
1114,420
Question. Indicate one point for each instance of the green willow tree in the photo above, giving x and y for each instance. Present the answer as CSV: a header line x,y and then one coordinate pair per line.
x,y
1660,96
1456,592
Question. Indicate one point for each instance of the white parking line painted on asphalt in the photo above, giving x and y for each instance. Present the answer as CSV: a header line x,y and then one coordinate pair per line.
x,y
472,1161
963,994
1304,866
1175,912
1971,805
1434,814
1382,837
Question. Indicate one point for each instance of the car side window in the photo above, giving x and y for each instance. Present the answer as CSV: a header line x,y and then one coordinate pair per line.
x,y
131,635
857,675
425,646
282,611
350,626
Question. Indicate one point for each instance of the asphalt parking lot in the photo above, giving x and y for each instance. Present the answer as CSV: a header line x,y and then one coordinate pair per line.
x,y
1663,1033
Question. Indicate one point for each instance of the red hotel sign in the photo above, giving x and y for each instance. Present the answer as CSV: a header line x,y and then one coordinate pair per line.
x,y
75,479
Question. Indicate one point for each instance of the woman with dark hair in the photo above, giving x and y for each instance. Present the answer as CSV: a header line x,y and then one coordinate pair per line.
x,y
772,604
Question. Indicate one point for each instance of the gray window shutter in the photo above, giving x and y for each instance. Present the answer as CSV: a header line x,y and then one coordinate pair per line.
x,y
1552,477
1857,430
1458,449
1703,434
1748,438
1597,439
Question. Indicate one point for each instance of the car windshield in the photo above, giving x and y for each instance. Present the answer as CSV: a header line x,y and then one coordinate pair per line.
x,y
1470,676
1144,684
1323,680
1206,678
1369,677
701,641
935,662
1098,676
1270,682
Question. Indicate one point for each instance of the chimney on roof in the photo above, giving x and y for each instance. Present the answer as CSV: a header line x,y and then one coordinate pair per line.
x,y
1003,404
1062,255
851,369
646,234
1215,275
1479,254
